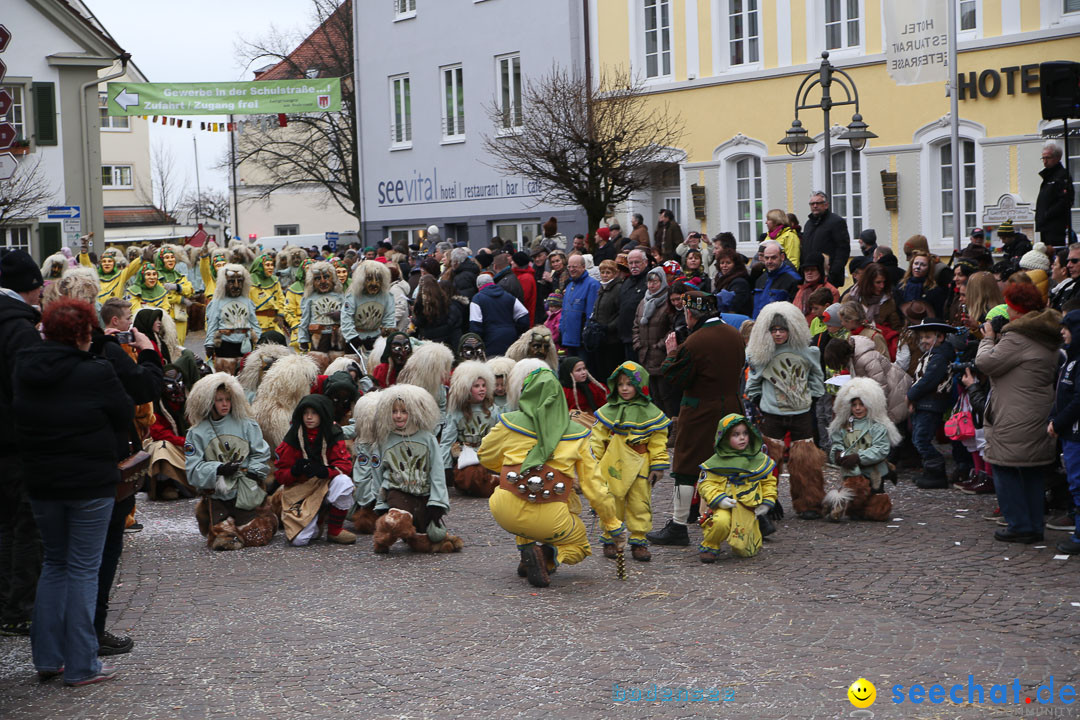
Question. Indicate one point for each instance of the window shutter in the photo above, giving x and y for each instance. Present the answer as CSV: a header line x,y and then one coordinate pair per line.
x,y
45,113
50,238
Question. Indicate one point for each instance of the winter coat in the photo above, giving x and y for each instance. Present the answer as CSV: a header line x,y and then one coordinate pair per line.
x,y
868,362
71,409
1022,366
630,295
743,302
666,238
1066,414
931,390
508,281
1053,205
528,289
17,331
828,235
802,297
497,317
791,245
578,301
465,276
639,237
777,285
446,329
649,336
338,460
606,309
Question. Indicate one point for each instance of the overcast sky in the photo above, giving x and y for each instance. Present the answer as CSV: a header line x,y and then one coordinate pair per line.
x,y
196,41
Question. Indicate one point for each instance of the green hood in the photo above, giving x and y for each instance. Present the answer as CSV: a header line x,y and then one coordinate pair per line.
x,y
637,416
739,465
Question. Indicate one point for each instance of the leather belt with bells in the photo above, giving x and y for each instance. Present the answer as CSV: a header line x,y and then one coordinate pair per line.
x,y
542,485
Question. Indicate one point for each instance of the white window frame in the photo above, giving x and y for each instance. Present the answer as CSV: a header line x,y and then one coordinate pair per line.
x,y
1053,14
931,136
726,156
843,209
453,127
972,33
17,115
400,136
815,32
756,225
722,11
404,9
116,171
939,190
109,123
515,113
16,236
414,233
519,227
287,230
639,39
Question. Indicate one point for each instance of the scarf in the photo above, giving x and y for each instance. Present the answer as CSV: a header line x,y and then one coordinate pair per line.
x,y
775,232
913,289
542,411
638,416
656,300
739,466
328,433
722,281
145,293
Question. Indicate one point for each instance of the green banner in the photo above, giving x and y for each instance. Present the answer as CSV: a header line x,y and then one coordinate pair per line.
x,y
227,98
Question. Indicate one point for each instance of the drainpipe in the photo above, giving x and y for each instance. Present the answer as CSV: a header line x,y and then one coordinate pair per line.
x,y
84,125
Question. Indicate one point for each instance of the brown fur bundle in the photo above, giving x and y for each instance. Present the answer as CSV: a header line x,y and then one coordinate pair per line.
x,y
805,467
226,536
475,481
854,499
393,526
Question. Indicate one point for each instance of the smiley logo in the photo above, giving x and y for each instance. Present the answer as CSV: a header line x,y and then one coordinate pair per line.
x,y
862,693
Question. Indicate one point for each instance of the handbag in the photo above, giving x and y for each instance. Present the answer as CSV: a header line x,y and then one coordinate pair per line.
x,y
961,426
593,336
133,471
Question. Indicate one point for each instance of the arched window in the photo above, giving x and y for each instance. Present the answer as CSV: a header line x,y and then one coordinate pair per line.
x,y
845,188
968,186
749,198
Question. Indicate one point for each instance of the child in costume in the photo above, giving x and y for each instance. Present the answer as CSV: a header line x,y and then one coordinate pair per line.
x,y
412,497
500,368
366,458
266,293
470,414
738,485
314,468
584,393
294,297
232,326
227,458
630,439
862,436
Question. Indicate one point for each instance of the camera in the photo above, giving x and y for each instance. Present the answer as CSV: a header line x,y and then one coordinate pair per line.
x,y
998,323
125,337
960,367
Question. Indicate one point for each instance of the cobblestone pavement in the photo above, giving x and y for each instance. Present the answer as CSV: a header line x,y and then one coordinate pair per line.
x,y
336,631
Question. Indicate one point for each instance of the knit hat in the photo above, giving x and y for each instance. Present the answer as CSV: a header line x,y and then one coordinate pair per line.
x,y
1035,259
484,260
431,266
521,259
484,278
832,316
555,299
1005,228
19,272
603,233
869,236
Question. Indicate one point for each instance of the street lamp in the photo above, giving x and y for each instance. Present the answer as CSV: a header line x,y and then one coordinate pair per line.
x,y
797,140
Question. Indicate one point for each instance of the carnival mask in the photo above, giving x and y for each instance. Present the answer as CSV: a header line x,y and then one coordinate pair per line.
x,y
150,277
473,349
56,270
268,266
174,391
342,404
168,259
108,264
373,286
342,274
219,260
323,281
538,346
400,349
234,283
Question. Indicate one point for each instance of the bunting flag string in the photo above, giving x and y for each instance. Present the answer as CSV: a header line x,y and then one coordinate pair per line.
x,y
259,123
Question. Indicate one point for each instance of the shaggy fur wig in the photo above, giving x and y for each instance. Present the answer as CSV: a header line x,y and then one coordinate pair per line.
x,y
365,271
873,397
251,374
501,365
322,265
200,399
282,387
423,412
54,259
219,286
342,364
365,413
520,349
761,348
241,253
80,282
285,257
516,381
462,381
427,367
117,255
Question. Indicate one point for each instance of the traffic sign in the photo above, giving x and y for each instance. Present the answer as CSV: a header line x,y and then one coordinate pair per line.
x,y
5,38
5,101
3,69
332,240
73,226
59,212
8,163
7,135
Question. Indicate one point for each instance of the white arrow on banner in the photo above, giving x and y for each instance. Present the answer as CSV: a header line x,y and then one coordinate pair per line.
x,y
125,99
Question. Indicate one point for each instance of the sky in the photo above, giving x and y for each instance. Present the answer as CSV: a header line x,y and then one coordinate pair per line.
x,y
196,41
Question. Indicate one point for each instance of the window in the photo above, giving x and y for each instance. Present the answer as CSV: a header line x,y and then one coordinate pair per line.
x,y
845,189
749,201
743,31
453,103
15,237
674,204
967,187
116,177
286,229
16,116
1070,6
521,234
657,38
404,9
967,10
401,113
406,236
510,91
107,122
841,24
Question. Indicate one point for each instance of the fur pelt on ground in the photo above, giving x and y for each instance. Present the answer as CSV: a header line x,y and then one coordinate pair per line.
x,y
226,535
805,468
854,499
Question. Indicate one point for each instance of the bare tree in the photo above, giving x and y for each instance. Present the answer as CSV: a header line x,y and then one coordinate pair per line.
x,y
211,203
166,185
315,149
26,194
592,145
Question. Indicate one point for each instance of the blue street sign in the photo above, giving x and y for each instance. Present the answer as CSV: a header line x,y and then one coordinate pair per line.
x,y
60,212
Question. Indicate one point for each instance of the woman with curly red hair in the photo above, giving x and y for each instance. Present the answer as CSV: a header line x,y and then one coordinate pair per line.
x,y
70,408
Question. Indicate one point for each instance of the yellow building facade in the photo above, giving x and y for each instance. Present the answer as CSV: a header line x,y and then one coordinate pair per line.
x,y
731,69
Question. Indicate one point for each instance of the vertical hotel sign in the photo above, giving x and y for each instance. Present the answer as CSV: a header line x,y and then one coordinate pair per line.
x,y
917,41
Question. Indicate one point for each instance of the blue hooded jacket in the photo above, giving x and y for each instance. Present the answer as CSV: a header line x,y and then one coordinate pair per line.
x,y
577,305
779,285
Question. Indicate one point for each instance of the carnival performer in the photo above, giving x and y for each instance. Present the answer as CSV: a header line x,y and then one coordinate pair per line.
x,y
540,454
266,294
294,297
395,356
114,272
320,311
500,368
862,436
147,291
630,440
211,261
168,473
369,307
232,327
179,287
471,413
366,457
536,342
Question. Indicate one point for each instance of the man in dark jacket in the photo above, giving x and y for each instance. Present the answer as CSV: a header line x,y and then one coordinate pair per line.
x,y
505,277
779,281
544,284
826,232
20,545
496,316
465,272
1054,204
668,235
929,397
630,294
143,381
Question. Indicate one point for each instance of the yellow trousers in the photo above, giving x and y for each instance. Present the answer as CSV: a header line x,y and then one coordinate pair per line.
x,y
737,526
553,523
634,509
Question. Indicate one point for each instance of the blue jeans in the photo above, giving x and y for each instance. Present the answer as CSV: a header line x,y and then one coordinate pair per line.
x,y
1020,497
62,633
924,425
1070,449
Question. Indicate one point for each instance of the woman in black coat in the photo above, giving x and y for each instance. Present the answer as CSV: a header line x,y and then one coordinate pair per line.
x,y
610,354
732,276
70,410
436,316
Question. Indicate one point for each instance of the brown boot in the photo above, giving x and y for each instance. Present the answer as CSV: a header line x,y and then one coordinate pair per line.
x,y
536,571
609,551
640,553
706,557
344,537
